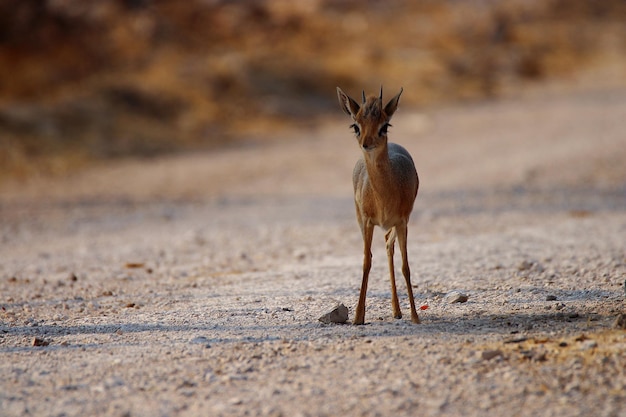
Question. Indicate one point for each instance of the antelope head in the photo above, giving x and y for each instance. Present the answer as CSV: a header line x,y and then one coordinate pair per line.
x,y
371,118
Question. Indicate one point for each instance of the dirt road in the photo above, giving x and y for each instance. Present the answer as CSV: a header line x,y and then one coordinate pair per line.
x,y
191,285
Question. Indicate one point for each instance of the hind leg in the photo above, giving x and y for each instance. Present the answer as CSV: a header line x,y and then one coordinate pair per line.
x,y
390,239
406,271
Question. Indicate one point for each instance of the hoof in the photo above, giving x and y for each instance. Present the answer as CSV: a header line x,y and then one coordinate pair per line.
x,y
397,316
415,319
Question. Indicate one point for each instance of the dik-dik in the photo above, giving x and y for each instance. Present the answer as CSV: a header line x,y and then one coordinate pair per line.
x,y
385,186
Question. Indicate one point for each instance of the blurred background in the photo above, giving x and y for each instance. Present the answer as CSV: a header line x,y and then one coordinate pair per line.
x,y
84,81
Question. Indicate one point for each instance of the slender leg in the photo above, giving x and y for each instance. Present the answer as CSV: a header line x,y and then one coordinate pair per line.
x,y
390,239
368,232
402,237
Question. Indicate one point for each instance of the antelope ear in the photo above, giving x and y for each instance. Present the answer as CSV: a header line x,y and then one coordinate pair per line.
x,y
348,105
392,106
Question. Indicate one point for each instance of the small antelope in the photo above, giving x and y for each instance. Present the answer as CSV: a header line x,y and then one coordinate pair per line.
x,y
385,186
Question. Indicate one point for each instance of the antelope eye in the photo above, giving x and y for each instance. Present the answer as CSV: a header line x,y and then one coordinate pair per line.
x,y
383,129
357,131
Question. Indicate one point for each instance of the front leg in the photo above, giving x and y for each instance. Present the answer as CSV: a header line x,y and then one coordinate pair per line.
x,y
368,231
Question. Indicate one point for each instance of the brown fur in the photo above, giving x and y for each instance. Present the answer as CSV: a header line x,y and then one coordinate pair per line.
x,y
385,186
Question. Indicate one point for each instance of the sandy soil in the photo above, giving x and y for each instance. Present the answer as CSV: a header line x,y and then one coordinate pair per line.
x,y
191,285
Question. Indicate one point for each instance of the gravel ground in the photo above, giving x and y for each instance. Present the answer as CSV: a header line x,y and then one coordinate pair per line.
x,y
192,285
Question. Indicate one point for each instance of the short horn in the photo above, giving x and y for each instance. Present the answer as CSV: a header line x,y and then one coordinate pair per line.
x,y
363,96
381,93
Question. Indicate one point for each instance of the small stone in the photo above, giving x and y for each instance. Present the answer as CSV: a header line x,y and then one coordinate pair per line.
x,y
235,401
300,254
550,297
456,297
588,345
620,322
490,354
524,266
39,341
339,314
200,340
519,339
